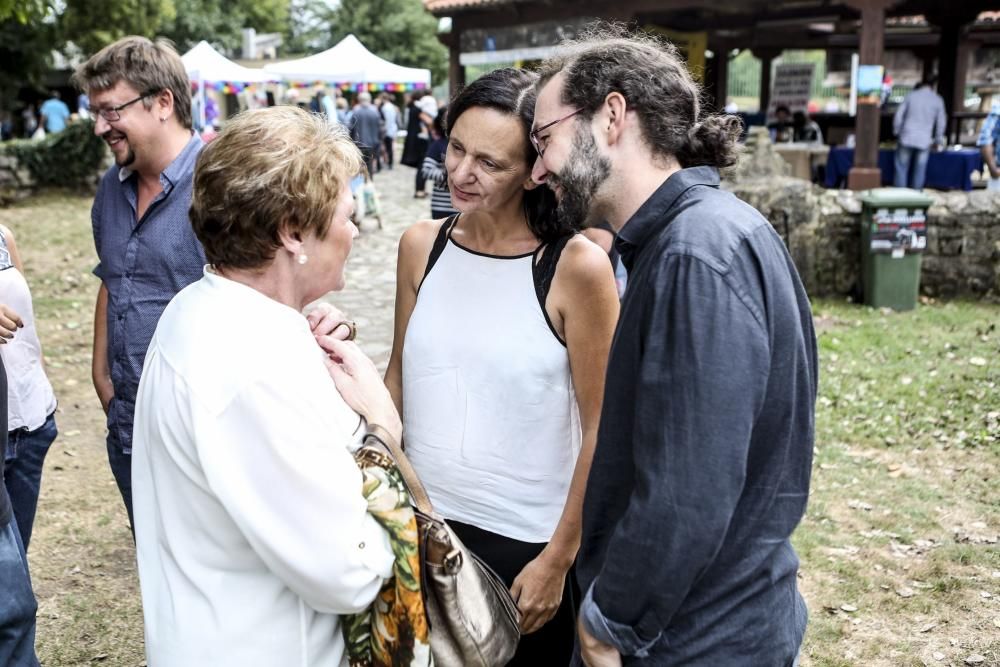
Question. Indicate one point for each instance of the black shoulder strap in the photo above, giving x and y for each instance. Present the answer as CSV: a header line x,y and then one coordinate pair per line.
x,y
439,243
543,272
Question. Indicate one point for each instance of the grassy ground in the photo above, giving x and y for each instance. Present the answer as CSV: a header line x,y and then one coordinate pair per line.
x,y
899,545
900,561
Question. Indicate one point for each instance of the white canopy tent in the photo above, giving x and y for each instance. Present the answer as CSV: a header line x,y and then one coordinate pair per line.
x,y
348,62
206,64
203,63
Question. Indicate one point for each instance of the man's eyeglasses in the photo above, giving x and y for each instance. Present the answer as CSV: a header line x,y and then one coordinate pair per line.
x,y
111,114
541,142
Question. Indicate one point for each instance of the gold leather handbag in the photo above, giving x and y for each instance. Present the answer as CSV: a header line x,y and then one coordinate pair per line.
x,y
473,619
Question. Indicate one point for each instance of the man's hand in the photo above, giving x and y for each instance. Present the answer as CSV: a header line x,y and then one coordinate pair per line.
x,y
105,392
327,320
10,322
594,652
538,591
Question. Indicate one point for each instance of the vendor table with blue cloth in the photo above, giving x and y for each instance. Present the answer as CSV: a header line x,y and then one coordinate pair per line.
x,y
946,170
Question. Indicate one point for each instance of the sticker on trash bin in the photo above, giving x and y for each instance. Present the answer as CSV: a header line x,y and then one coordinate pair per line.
x,y
899,231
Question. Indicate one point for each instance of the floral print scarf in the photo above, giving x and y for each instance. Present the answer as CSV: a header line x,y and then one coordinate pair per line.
x,y
393,631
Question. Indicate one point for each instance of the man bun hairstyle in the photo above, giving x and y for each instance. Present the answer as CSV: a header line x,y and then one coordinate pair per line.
x,y
656,84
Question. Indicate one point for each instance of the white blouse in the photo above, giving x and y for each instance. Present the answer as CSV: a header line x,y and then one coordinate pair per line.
x,y
30,399
252,533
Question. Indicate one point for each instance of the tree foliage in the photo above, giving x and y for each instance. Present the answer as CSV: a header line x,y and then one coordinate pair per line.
x,y
24,11
221,22
397,30
93,24
26,54
308,26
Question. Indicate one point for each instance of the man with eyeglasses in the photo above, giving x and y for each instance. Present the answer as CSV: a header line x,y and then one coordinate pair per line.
x,y
701,468
140,101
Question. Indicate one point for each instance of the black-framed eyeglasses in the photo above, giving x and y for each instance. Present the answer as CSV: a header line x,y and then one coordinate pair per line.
x,y
537,141
111,114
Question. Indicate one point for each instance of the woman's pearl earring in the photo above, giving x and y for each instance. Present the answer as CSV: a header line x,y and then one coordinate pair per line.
x,y
303,259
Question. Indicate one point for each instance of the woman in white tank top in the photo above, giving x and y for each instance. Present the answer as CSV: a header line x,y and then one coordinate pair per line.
x,y
504,319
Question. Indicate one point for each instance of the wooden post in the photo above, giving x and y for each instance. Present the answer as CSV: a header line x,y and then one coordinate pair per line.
x,y
954,51
718,79
767,56
953,59
865,174
456,71
927,57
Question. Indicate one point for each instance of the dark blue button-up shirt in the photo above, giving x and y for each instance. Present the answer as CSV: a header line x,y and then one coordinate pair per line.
x,y
143,264
703,457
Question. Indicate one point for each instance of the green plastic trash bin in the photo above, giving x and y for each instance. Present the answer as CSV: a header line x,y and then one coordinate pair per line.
x,y
893,237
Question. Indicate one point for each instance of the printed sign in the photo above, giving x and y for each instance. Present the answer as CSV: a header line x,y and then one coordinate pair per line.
x,y
791,86
899,231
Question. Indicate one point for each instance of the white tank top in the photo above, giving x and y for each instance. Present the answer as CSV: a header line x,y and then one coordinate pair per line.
x,y
30,399
490,418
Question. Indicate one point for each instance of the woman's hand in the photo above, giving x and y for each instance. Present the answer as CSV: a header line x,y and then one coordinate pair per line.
x,y
359,383
538,591
327,320
10,322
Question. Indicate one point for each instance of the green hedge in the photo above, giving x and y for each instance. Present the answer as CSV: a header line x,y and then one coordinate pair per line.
x,y
70,158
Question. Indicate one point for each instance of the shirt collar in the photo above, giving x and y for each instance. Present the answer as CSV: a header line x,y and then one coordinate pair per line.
x,y
182,164
655,212
237,291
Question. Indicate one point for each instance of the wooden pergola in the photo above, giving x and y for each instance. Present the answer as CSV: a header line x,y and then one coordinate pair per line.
x,y
946,35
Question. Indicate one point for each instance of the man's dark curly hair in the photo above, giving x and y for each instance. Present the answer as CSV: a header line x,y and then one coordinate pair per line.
x,y
655,83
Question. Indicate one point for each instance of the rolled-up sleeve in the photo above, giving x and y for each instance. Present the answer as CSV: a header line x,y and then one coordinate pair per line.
x,y
704,367
294,491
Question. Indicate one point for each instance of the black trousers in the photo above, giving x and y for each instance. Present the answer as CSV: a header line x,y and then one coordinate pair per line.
x,y
552,644
388,142
368,156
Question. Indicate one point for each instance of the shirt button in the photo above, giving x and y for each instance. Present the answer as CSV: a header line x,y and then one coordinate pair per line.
x,y
361,546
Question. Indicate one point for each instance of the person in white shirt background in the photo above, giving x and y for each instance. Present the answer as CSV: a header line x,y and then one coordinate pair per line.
x,y
31,403
252,532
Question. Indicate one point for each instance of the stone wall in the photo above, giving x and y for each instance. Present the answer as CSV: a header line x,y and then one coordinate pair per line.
x,y
16,182
822,229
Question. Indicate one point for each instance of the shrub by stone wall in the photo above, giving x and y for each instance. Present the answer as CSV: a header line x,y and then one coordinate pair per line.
x,y
822,229
73,158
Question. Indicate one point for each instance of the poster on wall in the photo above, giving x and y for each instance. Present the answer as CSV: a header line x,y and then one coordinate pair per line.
x,y
868,84
692,46
791,87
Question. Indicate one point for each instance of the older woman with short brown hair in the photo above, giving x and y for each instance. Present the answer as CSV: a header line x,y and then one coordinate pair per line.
x,y
251,527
